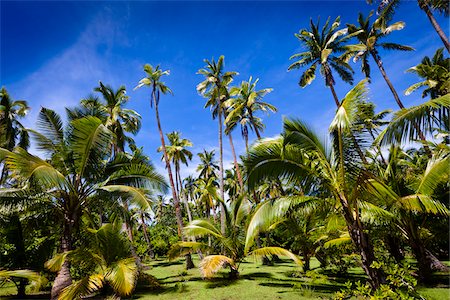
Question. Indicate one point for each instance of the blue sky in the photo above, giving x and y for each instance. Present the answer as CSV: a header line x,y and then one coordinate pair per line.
x,y
54,53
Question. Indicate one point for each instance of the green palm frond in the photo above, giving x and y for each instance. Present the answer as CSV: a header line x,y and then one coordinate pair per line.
x,y
55,263
122,276
83,287
211,264
346,114
136,195
266,251
202,228
33,168
436,173
36,279
423,204
408,122
373,214
182,248
342,240
270,212
90,141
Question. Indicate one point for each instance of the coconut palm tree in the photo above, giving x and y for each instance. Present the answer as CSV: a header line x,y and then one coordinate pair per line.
x,y
74,176
248,101
299,155
153,80
207,167
177,153
410,195
214,89
388,7
232,242
370,37
322,48
113,114
436,75
12,132
107,252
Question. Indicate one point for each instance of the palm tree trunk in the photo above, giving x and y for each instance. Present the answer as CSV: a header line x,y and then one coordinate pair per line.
x,y
176,202
236,165
63,278
377,59
129,230
386,78
424,6
362,242
221,183
151,253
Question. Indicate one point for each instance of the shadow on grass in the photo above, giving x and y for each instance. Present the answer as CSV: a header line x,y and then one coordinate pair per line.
x,y
165,263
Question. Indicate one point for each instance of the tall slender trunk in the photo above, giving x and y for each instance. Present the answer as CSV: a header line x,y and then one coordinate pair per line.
x,y
63,278
221,183
236,165
151,253
377,59
424,6
176,202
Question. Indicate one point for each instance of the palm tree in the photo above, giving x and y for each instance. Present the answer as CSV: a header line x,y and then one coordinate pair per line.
x,y
387,8
300,156
153,80
436,75
410,195
113,114
10,127
75,176
248,101
321,50
107,252
214,89
207,167
177,153
232,242
441,6
369,37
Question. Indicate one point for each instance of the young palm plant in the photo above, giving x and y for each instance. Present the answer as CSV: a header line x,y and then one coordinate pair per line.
x,y
107,253
232,242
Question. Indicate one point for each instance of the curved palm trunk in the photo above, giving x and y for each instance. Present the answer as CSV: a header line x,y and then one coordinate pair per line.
x,y
377,59
176,202
63,278
426,261
424,6
236,165
362,242
129,230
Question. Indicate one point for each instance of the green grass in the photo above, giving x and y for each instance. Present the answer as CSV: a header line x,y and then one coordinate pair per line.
x,y
255,282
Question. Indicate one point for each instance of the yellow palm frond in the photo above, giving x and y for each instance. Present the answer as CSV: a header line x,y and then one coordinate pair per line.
x,y
211,264
265,251
122,276
83,287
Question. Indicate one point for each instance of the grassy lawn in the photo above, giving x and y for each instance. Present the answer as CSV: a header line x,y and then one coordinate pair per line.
x,y
255,282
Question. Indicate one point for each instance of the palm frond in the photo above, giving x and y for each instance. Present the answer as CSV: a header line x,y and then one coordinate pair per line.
x,y
211,264
122,276
408,122
266,251
82,287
